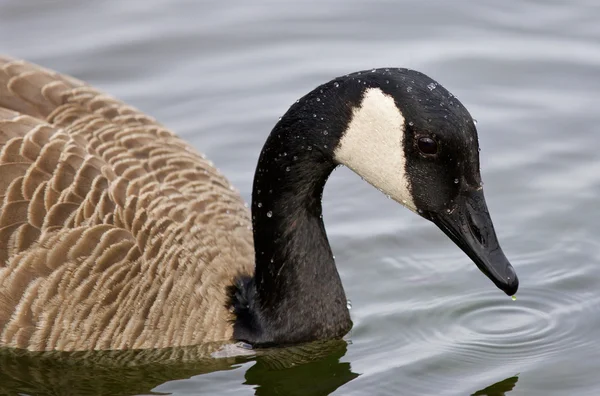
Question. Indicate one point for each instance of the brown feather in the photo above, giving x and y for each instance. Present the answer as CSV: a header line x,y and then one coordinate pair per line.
x,y
114,233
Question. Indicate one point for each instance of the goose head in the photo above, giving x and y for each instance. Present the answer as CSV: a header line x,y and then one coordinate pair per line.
x,y
414,141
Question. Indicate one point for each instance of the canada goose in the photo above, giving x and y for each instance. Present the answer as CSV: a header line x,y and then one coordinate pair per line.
x,y
116,234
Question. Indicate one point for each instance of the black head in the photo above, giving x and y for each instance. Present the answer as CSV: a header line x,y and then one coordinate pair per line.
x,y
417,143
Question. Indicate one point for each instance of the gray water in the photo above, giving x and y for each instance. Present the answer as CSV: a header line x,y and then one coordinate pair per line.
x,y
426,321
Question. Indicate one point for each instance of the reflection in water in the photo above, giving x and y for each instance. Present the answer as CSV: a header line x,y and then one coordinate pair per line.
x,y
499,388
308,371
100,373
276,372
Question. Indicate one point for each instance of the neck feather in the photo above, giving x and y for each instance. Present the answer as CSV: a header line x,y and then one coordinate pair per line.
x,y
296,294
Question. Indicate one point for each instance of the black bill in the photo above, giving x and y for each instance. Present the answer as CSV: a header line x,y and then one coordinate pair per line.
x,y
470,226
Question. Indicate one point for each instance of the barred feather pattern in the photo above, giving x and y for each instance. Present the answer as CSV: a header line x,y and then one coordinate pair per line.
x,y
114,233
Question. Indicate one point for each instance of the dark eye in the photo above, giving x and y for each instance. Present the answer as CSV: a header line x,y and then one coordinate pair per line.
x,y
427,145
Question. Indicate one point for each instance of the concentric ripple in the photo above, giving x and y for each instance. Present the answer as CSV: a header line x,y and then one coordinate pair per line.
x,y
481,326
539,324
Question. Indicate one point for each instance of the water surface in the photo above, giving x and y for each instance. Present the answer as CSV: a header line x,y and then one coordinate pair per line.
x,y
427,322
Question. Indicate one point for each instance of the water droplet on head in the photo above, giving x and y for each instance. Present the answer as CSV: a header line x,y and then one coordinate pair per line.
x,y
336,84
431,86
314,116
408,89
387,81
309,148
411,123
420,211
318,99
373,71
259,205
448,210
325,132
348,304
474,121
287,168
269,214
455,181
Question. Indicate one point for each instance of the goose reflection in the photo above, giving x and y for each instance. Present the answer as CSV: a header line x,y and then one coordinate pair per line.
x,y
312,369
499,388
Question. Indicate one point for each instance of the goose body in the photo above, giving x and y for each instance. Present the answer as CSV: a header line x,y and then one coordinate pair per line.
x,y
116,234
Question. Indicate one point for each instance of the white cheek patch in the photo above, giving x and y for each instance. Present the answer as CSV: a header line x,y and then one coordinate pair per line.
x,y
372,146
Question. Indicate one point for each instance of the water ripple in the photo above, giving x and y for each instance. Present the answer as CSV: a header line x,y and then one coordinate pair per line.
x,y
538,325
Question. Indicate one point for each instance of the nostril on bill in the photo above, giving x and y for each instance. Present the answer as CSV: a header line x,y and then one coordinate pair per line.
x,y
475,230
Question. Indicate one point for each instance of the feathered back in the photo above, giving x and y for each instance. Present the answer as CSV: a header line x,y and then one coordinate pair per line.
x,y
114,233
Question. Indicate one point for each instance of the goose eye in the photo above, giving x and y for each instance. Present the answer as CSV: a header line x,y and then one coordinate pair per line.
x,y
427,145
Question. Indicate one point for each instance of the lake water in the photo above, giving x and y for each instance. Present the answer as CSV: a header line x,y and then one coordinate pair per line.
x,y
427,322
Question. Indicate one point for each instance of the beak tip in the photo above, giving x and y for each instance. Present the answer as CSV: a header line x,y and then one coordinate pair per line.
x,y
510,285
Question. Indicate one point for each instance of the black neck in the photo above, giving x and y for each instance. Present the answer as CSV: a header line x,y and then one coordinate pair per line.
x,y
296,294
